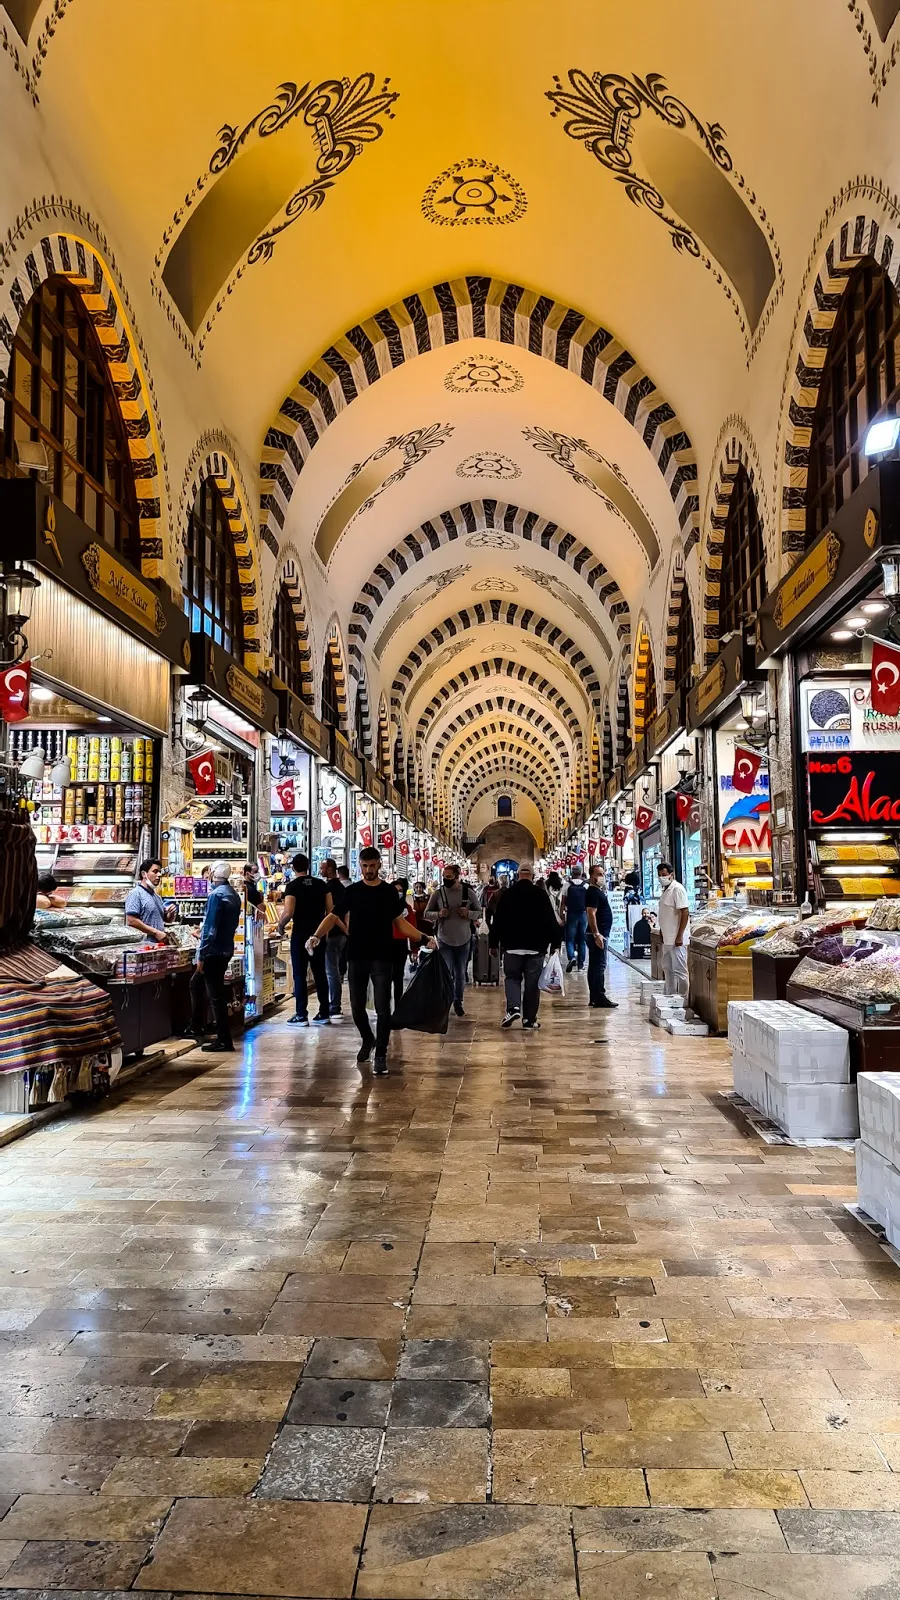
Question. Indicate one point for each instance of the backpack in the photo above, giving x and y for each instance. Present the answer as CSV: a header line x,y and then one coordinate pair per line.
x,y
576,900
465,897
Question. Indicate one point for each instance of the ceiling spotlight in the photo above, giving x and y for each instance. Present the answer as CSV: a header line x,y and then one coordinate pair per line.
x,y
855,622
842,634
873,607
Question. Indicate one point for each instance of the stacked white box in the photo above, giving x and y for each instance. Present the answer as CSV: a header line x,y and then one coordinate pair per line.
x,y
686,1027
650,987
667,1008
794,1067
879,1112
878,1151
813,1110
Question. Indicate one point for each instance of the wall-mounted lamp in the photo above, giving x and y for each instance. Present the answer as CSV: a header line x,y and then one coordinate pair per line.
x,y
882,437
17,591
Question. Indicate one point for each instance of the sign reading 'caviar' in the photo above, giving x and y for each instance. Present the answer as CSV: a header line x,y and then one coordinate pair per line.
x,y
856,790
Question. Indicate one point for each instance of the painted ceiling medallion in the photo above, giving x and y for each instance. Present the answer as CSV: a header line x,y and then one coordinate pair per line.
x,y
492,540
483,374
473,192
488,464
494,586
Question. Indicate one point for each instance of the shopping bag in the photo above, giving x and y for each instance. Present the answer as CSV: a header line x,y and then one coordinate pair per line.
x,y
551,979
424,1006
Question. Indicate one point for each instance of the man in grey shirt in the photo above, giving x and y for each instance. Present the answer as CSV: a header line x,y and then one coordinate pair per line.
x,y
454,907
144,907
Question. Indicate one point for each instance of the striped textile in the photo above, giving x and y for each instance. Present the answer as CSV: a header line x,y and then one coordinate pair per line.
x,y
44,1023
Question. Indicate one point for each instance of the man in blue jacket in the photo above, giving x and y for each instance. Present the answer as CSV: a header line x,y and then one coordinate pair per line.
x,y
600,920
215,950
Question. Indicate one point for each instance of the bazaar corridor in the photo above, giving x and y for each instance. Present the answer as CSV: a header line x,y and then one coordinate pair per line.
x,y
530,1316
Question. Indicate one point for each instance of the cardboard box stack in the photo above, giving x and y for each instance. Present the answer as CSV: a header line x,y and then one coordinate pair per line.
x,y
878,1150
794,1067
671,1011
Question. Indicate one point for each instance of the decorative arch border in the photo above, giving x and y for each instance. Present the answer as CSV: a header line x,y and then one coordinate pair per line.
x,y
609,744
517,739
497,767
678,588
497,612
873,231
643,656
384,744
736,454
623,705
335,648
445,314
92,269
499,666
467,520
531,794
288,574
498,774
499,706
219,465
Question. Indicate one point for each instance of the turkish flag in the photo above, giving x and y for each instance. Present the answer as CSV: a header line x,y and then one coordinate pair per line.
x,y
426,854
286,794
335,818
643,817
620,834
885,685
202,769
603,846
417,855
403,847
746,766
387,839
365,836
439,861
592,847
15,689
683,804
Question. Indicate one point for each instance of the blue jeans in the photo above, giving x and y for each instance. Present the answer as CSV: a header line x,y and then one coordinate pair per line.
x,y
576,935
456,959
335,946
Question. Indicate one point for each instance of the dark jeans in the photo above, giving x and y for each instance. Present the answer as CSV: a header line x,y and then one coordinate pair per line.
x,y
335,966
398,967
380,972
456,959
522,973
210,985
301,963
576,935
596,971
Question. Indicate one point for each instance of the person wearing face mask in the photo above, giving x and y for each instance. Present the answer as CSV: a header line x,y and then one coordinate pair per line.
x,y
454,907
674,923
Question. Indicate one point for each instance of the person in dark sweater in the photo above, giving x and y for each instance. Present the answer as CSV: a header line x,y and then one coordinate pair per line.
x,y
600,921
215,950
524,927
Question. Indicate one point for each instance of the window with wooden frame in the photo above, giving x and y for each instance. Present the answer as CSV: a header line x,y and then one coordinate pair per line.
x,y
331,710
685,647
742,580
286,654
59,394
212,593
859,382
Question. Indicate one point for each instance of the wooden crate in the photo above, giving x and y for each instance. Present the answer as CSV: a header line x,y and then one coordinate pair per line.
x,y
714,980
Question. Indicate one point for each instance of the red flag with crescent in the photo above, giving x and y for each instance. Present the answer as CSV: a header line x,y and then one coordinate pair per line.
x,y
202,769
592,847
683,804
365,835
386,839
403,847
15,690
620,834
642,818
286,794
885,685
335,819
746,766
604,846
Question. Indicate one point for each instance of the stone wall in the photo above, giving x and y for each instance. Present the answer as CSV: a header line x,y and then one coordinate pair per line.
x,y
502,841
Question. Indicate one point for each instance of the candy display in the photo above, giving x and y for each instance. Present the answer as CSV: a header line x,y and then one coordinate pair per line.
x,y
793,936
873,977
886,915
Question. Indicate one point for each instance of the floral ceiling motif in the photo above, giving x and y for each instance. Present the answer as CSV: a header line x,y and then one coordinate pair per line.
x,y
473,193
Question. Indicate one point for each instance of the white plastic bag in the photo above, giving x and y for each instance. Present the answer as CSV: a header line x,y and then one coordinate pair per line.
x,y
551,979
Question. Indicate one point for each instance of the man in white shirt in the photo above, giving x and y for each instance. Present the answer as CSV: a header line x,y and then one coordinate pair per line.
x,y
674,922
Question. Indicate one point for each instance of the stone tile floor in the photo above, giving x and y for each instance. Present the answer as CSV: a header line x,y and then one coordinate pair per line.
x,y
534,1316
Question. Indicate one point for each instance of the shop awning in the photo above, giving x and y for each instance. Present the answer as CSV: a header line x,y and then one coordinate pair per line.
x,y
213,669
733,669
844,558
40,529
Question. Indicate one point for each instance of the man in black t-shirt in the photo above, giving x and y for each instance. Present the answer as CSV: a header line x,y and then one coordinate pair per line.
x,y
306,901
336,942
371,910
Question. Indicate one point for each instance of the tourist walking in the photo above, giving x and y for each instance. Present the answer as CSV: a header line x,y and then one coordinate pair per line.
x,y
336,943
455,909
674,926
401,949
372,909
575,905
600,921
214,951
524,928
306,901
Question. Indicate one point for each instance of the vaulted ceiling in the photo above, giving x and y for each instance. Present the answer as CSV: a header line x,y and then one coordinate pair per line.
x,y
470,289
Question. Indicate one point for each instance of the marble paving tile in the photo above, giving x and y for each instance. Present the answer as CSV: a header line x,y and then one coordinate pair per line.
x,y
439,1403
438,1465
806,1577
663,1575
321,1464
475,1552
680,1530
338,1402
248,1547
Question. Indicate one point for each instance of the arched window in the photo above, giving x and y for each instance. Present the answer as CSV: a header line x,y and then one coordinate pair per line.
x,y
59,394
212,592
685,647
859,380
331,710
286,654
743,576
504,805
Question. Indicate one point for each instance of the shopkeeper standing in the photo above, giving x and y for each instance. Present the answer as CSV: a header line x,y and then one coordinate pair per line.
x,y
144,907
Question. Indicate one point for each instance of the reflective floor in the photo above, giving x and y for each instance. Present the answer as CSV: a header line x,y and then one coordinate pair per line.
x,y
533,1316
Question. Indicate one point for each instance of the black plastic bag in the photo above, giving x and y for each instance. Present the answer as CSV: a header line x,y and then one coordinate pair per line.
x,y
425,1006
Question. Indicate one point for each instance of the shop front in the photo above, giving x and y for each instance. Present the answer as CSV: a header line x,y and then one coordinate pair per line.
x,y
302,742
733,775
820,627
340,782
678,805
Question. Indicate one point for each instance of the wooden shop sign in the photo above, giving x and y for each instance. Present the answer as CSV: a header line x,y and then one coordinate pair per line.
x,y
807,580
112,580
